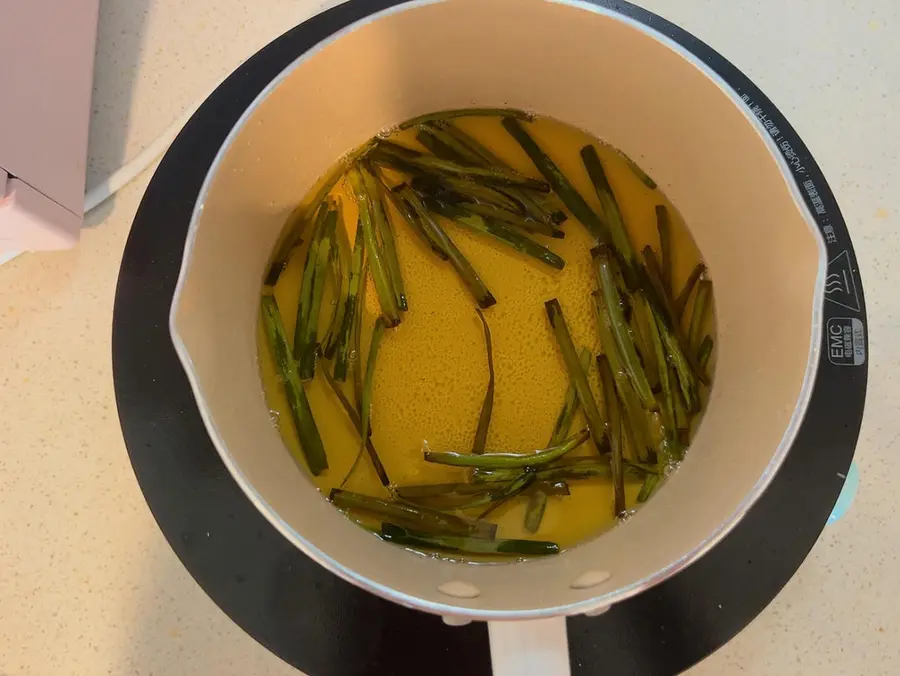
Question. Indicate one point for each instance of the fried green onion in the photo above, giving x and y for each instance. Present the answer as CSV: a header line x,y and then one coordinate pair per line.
x,y
570,404
634,413
637,171
340,269
421,517
670,326
500,232
385,231
469,276
402,536
509,218
614,221
383,235
352,308
651,481
704,352
299,216
487,407
465,112
446,146
383,285
412,220
529,205
402,158
640,328
301,414
311,291
624,341
357,424
614,416
699,314
356,347
582,467
677,358
682,300
416,491
510,490
592,468
280,263
430,139
366,402
506,460
462,192
668,397
534,511
561,185
654,286
577,375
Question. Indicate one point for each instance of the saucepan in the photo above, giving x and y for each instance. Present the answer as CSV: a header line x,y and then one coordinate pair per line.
x,y
620,81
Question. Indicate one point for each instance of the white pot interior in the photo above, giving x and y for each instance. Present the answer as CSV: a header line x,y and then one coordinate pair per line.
x,y
591,69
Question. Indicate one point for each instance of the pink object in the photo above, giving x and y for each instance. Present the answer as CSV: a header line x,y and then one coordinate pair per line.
x,y
46,70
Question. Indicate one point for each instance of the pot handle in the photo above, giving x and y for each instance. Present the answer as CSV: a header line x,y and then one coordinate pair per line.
x,y
530,647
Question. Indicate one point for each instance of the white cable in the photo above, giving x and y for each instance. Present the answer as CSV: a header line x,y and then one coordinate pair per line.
x,y
130,171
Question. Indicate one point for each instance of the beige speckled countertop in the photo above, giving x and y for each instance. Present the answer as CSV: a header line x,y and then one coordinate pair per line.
x,y
89,586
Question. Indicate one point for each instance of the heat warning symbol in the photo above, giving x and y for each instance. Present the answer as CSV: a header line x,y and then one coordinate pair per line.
x,y
840,287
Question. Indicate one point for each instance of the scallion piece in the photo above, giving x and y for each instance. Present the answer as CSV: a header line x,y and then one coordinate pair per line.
x,y
383,285
681,301
557,179
500,232
469,276
423,518
487,407
534,511
413,221
614,221
616,423
624,342
577,375
402,536
301,413
570,404
705,352
634,412
651,481
509,490
352,309
465,112
385,232
340,271
699,314
312,268
401,157
507,460
357,424
366,401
